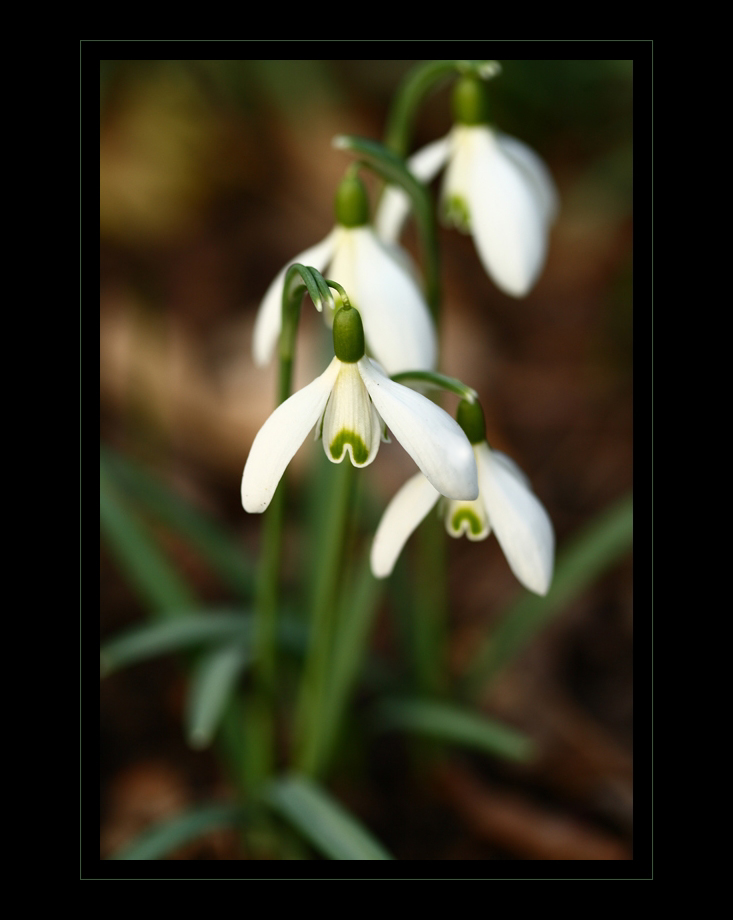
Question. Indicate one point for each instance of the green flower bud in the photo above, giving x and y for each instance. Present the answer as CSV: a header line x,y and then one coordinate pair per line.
x,y
470,102
351,203
348,335
470,417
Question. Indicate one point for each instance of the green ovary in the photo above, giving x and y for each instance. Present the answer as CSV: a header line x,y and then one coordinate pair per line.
x,y
465,514
359,450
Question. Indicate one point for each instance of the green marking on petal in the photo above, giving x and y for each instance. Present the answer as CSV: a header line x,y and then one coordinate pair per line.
x,y
455,212
359,450
465,514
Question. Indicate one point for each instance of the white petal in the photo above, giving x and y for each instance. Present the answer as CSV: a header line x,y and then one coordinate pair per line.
x,y
269,315
351,424
512,467
521,524
280,437
536,170
430,436
507,217
398,327
408,507
394,205
426,163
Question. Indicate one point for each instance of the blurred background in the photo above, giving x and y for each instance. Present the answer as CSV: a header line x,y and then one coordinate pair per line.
x,y
213,175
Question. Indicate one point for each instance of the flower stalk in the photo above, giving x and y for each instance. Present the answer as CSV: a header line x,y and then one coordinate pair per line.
x,y
299,279
421,80
314,687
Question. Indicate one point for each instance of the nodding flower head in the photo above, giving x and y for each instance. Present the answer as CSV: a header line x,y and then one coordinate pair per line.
x,y
397,324
350,405
494,187
505,504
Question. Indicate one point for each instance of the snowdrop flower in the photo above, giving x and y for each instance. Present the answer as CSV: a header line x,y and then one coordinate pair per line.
x,y
397,323
495,187
505,504
349,404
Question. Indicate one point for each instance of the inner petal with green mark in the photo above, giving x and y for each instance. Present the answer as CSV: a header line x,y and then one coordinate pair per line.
x,y
467,518
351,424
345,439
456,212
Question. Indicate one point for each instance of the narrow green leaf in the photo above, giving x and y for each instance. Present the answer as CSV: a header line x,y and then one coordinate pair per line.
x,y
144,642
220,549
454,725
322,820
159,638
157,583
591,554
210,689
158,841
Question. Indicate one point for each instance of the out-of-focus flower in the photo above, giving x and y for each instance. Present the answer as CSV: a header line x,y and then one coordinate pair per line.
x,y
399,329
495,187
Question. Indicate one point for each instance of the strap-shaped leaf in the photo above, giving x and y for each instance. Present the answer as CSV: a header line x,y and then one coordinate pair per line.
x,y
144,642
155,580
454,725
158,841
213,683
223,553
322,820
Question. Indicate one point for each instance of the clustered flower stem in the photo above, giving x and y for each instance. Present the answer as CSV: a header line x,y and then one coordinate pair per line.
x,y
502,193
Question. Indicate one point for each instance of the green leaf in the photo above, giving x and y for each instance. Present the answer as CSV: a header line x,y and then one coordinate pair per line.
x,y
591,554
190,629
158,841
155,580
211,687
321,820
220,549
454,725
144,642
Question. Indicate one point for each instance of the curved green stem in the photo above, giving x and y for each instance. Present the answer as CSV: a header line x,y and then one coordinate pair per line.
x,y
421,80
437,382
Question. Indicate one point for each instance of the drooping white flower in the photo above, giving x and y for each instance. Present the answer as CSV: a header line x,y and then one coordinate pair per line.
x,y
505,504
494,187
399,329
349,404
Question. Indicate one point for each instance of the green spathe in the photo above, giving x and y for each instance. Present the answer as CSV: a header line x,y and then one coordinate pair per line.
x,y
470,102
465,514
348,335
359,450
351,203
470,416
